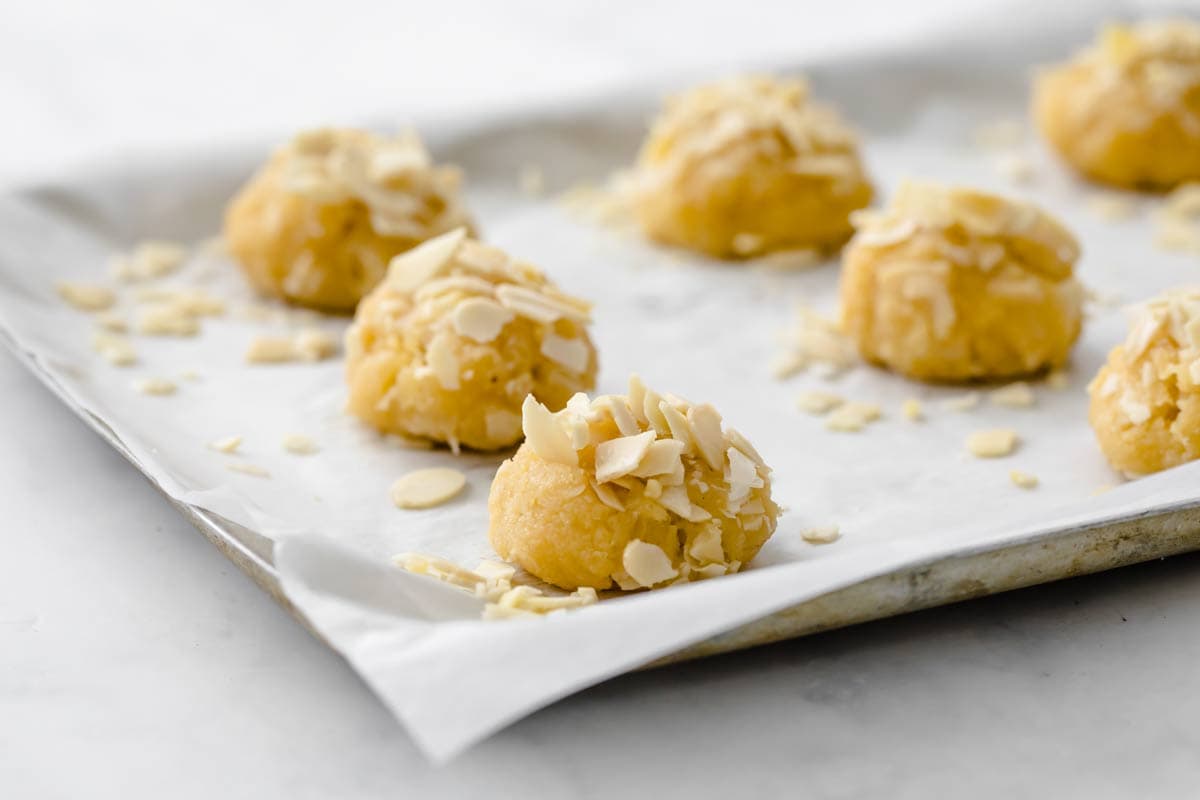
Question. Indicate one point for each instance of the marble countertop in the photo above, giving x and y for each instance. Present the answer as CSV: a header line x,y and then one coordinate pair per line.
x,y
135,661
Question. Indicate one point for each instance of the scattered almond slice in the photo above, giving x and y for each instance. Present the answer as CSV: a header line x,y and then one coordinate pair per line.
x,y
426,488
229,444
85,296
992,443
852,417
999,134
149,260
962,402
1111,207
1016,168
247,469
166,319
911,410
154,386
315,345
788,260
823,534
299,444
112,322
647,564
270,350
1058,380
1023,480
114,348
1015,395
818,402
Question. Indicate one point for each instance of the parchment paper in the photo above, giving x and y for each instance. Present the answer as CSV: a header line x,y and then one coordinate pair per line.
x,y
902,493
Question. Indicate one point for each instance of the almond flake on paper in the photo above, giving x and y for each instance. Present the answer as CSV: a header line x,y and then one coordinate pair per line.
x,y
962,402
426,488
1023,480
853,417
299,444
822,534
149,260
155,386
992,443
86,296
247,469
1014,395
911,410
818,402
114,348
228,444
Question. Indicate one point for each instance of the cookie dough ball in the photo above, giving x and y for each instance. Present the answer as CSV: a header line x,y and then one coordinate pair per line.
x,y
636,491
1145,402
318,224
1127,110
748,166
951,284
453,340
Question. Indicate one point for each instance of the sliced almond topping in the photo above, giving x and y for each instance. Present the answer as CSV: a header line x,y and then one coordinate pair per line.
x,y
570,353
678,424
154,386
544,435
481,319
115,349
817,402
502,424
636,396
86,297
618,457
538,306
1111,207
675,499
706,547
247,469
1015,395
912,411
606,495
736,439
443,361
299,444
1023,479
647,564
409,270
229,444
823,534
112,321
653,414
166,320
705,424
654,489
622,416
661,458
743,476
992,443
426,488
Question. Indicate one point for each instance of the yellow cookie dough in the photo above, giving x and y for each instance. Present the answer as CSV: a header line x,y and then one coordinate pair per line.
x,y
1126,111
451,342
951,284
639,491
318,224
1145,402
747,166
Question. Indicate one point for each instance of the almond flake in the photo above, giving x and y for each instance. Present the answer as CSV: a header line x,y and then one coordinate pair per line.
x,y
735,438
481,319
299,444
606,495
705,424
115,349
247,469
675,499
570,353
440,568
86,297
166,320
647,564
409,270
852,417
706,547
621,415
538,305
618,457
544,435
1015,395
1058,380
270,350
154,386
823,534
311,344
678,424
426,488
817,402
149,260
111,321
502,424
443,361
992,443
911,410
229,444
661,458
1023,479
743,476
1111,207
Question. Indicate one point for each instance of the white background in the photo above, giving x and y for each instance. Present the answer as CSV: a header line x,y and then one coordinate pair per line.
x,y
135,661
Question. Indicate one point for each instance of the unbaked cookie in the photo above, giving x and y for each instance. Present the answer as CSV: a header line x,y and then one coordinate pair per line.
x,y
456,336
747,166
318,224
951,284
639,491
1126,111
1145,402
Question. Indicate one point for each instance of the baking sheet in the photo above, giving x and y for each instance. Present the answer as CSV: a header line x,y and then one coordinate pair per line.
x,y
902,494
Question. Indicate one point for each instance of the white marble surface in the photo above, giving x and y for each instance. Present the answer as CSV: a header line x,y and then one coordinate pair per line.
x,y
136,662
